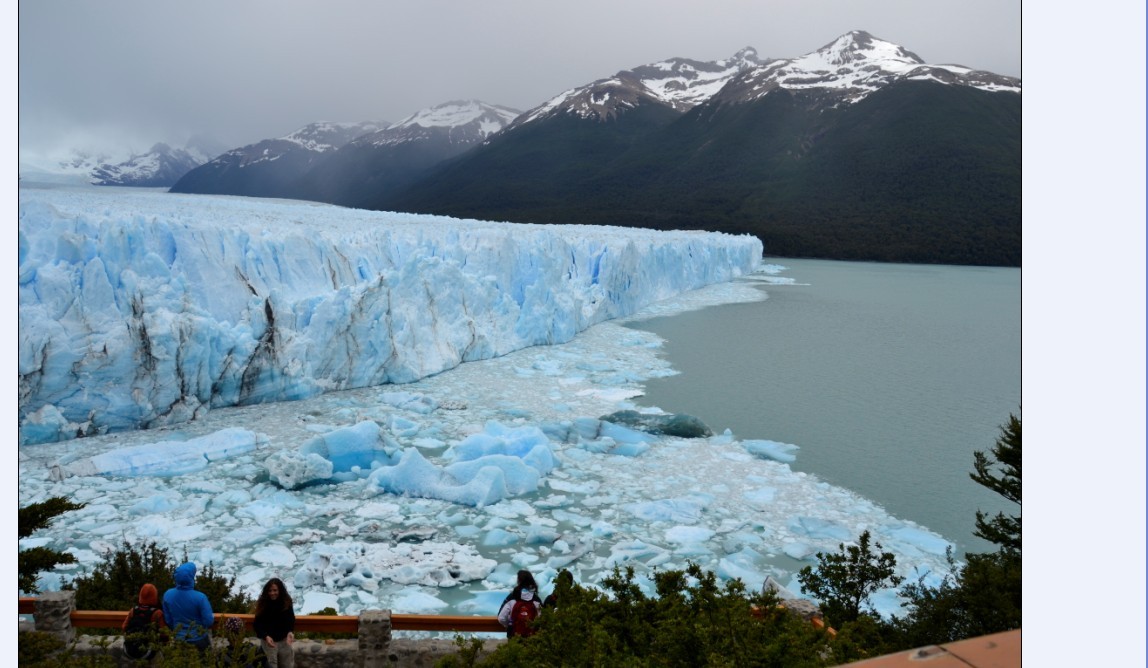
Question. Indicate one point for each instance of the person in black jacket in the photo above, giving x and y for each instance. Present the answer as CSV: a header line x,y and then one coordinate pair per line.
x,y
275,624
563,583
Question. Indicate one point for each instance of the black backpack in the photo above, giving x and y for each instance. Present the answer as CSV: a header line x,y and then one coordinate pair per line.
x,y
140,633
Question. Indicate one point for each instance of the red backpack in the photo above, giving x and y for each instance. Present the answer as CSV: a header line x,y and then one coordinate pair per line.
x,y
522,617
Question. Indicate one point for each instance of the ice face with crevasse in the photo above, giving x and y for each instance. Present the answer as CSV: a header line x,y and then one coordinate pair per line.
x,y
420,497
139,309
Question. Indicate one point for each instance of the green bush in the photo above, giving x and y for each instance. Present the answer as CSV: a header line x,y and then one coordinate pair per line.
x,y
115,582
690,621
983,596
845,579
44,650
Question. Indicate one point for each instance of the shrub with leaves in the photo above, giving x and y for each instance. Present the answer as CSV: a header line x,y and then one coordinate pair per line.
x,y
690,621
983,596
37,649
1002,530
844,580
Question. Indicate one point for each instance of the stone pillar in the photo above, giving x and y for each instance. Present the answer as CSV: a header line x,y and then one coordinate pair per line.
x,y
374,638
53,614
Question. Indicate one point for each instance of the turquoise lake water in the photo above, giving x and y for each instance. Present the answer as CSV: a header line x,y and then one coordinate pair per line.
x,y
888,377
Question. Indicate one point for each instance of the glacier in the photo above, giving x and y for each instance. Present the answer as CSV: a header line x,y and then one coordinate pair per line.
x,y
424,497
139,310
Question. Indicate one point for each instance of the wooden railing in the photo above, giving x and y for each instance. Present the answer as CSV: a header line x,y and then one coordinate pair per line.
x,y
114,619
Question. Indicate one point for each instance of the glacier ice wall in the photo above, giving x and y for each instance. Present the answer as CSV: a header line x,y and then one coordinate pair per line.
x,y
142,308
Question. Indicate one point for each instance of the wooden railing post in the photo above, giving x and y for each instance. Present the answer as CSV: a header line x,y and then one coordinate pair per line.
x,y
53,613
374,638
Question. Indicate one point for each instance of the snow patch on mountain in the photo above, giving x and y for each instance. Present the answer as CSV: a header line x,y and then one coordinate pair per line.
x,y
317,138
852,67
679,83
324,136
162,166
116,164
460,122
455,114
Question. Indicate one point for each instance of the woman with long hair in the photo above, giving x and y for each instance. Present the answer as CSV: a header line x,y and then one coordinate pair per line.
x,y
275,624
525,591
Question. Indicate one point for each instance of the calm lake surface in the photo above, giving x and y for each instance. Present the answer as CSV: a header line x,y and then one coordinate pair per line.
x,y
888,377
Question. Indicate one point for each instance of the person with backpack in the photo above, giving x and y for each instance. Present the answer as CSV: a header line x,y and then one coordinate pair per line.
x,y
275,624
187,611
143,625
521,607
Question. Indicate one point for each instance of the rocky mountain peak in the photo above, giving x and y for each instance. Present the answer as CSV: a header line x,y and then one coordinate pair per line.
x,y
850,68
459,121
859,45
845,70
680,83
324,136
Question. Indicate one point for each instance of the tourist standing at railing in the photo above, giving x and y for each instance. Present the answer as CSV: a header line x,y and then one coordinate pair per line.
x,y
143,626
187,611
525,591
275,624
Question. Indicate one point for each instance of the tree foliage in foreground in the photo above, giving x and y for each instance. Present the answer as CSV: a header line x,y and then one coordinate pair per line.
x,y
1001,530
35,560
44,650
983,596
114,583
844,580
690,621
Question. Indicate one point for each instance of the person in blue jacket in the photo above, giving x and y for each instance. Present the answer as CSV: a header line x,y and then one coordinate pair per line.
x,y
187,611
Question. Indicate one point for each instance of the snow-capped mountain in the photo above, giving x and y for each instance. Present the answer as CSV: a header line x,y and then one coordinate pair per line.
x,y
371,164
828,154
461,123
322,137
86,162
679,83
316,138
858,150
161,166
269,168
852,67
849,68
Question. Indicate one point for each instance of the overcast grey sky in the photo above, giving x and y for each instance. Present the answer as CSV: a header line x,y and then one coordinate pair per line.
x,y
142,71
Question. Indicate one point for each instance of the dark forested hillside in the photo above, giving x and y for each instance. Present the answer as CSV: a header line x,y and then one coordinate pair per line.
x,y
915,172
360,175
533,171
248,173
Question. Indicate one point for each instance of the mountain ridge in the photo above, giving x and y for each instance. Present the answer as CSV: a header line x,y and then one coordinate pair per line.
x,y
768,154
641,148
